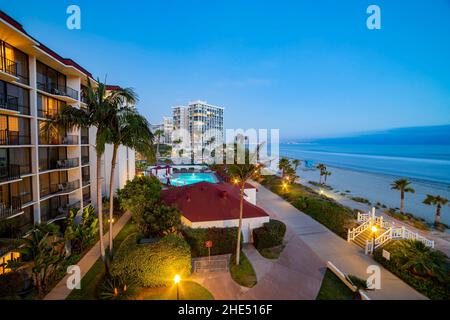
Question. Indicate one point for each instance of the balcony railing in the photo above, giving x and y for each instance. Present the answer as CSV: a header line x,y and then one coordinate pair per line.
x,y
86,199
9,172
86,180
63,187
49,113
52,164
8,66
8,137
59,91
67,139
10,209
12,103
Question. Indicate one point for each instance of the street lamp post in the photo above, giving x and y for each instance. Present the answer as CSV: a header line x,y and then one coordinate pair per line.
x,y
374,236
177,280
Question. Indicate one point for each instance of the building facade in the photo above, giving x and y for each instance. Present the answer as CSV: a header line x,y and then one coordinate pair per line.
x,y
199,123
43,175
166,127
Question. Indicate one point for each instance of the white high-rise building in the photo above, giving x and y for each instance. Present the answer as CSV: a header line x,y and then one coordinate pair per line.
x,y
200,123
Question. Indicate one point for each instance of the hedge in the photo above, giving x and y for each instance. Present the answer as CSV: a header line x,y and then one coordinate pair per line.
x,y
152,265
223,239
271,234
429,286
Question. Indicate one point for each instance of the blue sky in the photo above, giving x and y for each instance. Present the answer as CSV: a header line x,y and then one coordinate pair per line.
x,y
309,68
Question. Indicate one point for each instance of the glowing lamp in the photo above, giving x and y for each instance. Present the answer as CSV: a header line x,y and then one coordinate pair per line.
x,y
176,279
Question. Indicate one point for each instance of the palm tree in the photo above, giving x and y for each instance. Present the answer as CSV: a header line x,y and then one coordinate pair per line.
x,y
241,173
322,169
158,134
437,201
131,130
101,114
296,164
402,186
326,174
283,165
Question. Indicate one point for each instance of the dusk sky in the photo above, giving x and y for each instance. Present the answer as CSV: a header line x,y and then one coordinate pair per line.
x,y
309,68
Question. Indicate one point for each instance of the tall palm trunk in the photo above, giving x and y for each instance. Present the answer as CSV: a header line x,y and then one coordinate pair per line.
x,y
111,198
100,206
402,202
157,149
437,221
241,210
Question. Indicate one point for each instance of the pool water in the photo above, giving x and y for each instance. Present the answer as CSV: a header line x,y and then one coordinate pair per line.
x,y
183,179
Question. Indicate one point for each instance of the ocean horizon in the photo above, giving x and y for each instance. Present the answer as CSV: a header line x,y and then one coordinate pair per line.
x,y
422,162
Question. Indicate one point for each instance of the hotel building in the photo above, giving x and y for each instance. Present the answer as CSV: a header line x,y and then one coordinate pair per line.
x,y
166,127
42,176
197,119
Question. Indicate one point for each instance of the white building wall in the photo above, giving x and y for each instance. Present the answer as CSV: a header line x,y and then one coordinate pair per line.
x,y
247,225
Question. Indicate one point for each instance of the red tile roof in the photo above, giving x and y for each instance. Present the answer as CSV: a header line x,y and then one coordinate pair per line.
x,y
49,51
206,201
112,87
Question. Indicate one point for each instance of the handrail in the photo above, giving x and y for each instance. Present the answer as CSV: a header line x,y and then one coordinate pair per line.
x,y
352,234
383,238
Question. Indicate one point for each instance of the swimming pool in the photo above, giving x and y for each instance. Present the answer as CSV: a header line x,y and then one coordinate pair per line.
x,y
183,179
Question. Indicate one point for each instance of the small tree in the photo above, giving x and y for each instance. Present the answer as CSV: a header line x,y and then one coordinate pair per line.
x,y
158,220
438,202
283,165
47,255
326,174
402,185
322,169
296,164
81,235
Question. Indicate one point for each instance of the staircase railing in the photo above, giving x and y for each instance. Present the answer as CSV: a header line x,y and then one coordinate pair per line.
x,y
383,238
352,234
363,217
403,233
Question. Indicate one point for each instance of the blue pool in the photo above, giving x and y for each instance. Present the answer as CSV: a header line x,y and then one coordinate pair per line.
x,y
183,179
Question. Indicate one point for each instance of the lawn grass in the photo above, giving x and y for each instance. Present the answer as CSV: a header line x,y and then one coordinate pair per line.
x,y
188,290
333,288
272,253
90,284
243,274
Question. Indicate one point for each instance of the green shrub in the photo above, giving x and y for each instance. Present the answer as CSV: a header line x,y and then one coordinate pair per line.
x,y
152,265
223,239
13,283
425,269
271,234
334,216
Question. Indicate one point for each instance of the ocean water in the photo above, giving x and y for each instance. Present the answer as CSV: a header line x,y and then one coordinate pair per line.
x,y
422,162
368,170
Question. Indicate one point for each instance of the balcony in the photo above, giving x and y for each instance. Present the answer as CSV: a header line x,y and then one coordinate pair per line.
x,y
64,93
84,160
86,180
8,69
13,138
59,140
84,139
9,172
11,103
86,199
11,209
49,113
55,164
60,188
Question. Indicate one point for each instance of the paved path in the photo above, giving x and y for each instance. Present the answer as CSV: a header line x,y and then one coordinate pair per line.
x,y
60,291
330,247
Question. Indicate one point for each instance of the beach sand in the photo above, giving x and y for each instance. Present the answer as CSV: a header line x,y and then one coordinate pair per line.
x,y
376,188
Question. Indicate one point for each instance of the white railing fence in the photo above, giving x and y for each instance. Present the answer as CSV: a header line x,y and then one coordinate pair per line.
x,y
391,232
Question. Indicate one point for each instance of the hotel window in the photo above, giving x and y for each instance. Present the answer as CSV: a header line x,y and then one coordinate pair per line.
x,y
14,98
26,191
48,107
14,61
14,130
49,79
19,157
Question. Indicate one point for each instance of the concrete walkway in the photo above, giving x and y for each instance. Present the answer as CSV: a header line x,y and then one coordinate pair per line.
x,y
329,247
60,291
